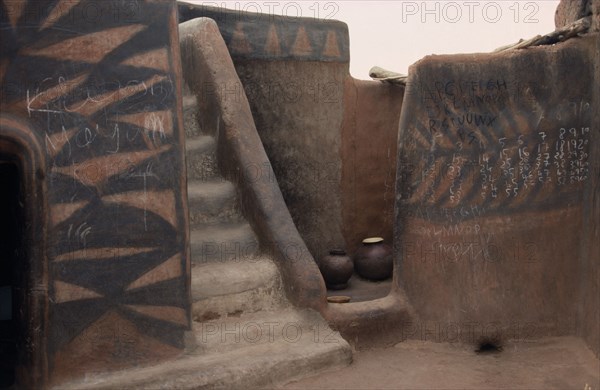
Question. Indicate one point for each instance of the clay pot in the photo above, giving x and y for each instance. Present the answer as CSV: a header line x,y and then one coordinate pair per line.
x,y
336,269
373,260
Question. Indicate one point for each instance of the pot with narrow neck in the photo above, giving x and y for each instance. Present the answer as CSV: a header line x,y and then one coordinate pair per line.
x,y
336,268
373,260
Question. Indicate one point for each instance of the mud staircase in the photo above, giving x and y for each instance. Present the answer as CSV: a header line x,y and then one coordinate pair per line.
x,y
240,312
246,334
229,277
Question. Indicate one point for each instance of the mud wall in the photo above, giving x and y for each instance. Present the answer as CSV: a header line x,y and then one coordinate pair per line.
x,y
311,116
495,179
301,135
589,294
589,298
98,85
369,150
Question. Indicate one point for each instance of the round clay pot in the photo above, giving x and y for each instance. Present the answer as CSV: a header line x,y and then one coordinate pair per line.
x,y
373,260
336,269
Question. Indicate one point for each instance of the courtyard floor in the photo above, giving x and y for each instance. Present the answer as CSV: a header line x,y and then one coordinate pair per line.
x,y
550,363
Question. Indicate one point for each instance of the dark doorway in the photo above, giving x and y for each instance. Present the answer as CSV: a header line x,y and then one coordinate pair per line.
x,y
23,263
12,258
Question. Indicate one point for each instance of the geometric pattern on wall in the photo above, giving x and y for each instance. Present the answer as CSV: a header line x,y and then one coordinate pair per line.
x,y
274,37
97,80
316,44
485,147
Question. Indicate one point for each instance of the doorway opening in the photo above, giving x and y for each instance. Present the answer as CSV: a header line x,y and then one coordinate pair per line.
x,y
11,258
23,262
12,262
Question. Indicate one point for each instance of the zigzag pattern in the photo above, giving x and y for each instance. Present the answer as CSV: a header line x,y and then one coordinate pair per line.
x,y
501,156
97,80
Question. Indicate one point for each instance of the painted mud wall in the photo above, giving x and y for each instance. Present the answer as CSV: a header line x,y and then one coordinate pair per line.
x,y
589,301
497,186
589,295
313,119
97,83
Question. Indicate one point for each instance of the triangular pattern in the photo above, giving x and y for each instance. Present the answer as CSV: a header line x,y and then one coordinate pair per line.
x,y
62,8
100,254
119,226
39,99
15,10
170,269
57,141
93,104
62,211
331,48
272,47
239,43
160,294
97,170
74,317
156,59
302,46
110,276
159,202
160,122
66,292
102,94
164,313
86,47
110,343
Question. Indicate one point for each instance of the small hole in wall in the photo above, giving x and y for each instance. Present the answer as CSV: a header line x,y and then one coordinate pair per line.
x,y
488,346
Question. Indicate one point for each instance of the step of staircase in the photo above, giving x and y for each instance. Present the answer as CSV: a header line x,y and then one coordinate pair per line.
x,y
201,158
190,116
222,290
283,325
232,243
212,202
251,352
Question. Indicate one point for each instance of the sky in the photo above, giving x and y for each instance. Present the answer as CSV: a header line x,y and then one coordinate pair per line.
x,y
393,34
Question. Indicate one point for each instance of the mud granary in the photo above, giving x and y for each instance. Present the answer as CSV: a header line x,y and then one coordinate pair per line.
x,y
171,175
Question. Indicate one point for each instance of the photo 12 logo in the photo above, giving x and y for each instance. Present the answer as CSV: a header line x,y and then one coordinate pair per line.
x,y
293,9
470,11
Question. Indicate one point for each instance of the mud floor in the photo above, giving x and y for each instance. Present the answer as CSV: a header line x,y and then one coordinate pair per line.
x,y
549,363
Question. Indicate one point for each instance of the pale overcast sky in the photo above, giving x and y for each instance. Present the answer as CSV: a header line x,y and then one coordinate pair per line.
x,y
395,33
